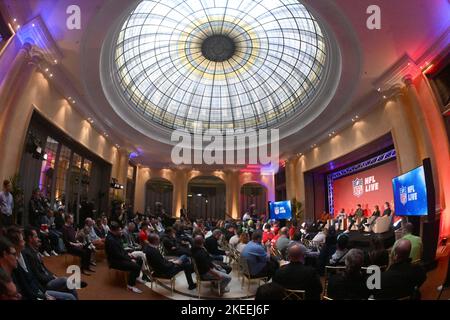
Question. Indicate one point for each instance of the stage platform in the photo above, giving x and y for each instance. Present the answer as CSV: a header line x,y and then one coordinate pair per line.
x,y
361,240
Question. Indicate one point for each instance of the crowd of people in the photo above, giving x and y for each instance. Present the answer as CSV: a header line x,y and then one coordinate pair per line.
x,y
289,255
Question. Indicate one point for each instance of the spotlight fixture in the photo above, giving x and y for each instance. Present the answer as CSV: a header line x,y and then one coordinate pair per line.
x,y
46,69
51,75
55,61
379,89
115,184
90,120
15,20
33,25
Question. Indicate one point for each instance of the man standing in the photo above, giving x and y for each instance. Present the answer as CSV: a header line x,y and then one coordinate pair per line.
x,y
6,204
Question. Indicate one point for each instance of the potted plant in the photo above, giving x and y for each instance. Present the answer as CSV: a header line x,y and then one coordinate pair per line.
x,y
297,211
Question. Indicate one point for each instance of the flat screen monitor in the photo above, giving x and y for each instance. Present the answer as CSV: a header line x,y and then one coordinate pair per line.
x,y
410,193
280,210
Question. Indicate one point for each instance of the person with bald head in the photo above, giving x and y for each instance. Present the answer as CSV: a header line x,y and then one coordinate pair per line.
x,y
283,241
92,236
206,266
296,276
416,242
163,268
402,278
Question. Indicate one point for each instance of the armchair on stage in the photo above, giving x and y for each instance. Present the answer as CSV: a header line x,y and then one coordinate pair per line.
x,y
380,225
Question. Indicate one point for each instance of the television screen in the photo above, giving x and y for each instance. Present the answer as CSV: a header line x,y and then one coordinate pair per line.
x,y
280,210
410,193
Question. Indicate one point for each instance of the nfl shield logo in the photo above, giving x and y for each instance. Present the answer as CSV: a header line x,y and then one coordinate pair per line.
x,y
403,196
358,188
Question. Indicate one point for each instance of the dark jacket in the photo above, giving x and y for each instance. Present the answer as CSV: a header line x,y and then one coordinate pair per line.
x,y
296,276
115,252
36,210
202,259
400,281
212,245
169,243
27,284
158,263
348,287
37,267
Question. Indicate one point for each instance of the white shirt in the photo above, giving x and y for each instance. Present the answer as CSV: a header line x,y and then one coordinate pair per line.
x,y
234,240
320,237
240,247
6,203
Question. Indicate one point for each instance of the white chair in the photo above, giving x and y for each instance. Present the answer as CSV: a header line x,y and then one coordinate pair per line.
x,y
370,224
382,225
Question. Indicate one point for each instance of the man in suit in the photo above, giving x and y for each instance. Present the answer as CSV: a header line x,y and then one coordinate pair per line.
x,y
212,245
34,261
164,268
171,245
119,259
402,278
75,247
297,276
206,267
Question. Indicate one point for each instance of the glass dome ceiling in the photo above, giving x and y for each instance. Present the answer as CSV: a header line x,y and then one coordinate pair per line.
x,y
227,64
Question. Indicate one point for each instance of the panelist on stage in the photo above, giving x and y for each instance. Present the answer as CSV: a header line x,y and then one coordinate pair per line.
x,y
387,209
359,213
376,214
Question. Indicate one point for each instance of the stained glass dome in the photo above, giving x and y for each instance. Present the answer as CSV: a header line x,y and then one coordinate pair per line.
x,y
227,64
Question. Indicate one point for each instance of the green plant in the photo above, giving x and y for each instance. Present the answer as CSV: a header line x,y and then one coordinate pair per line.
x,y
297,210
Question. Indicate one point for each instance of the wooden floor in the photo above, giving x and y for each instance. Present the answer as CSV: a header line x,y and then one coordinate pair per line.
x,y
109,285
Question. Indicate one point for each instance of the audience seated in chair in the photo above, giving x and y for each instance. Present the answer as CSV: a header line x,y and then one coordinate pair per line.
x,y
283,241
163,268
297,276
270,291
338,257
402,277
243,241
76,248
416,242
98,242
119,259
377,254
29,286
206,266
212,245
8,290
351,285
260,263
129,237
36,266
172,245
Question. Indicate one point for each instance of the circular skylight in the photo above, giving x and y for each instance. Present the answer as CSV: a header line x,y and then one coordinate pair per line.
x,y
221,64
